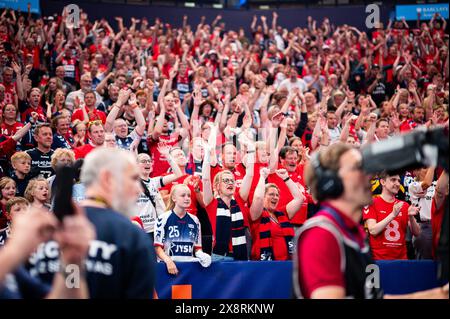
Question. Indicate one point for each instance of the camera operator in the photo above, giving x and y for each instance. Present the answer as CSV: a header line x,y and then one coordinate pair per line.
x,y
332,251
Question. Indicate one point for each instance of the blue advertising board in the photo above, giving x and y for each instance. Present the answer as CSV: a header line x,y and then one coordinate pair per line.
x,y
273,280
22,5
409,12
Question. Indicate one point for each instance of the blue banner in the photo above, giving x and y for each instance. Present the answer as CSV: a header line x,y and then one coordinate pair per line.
x,y
273,280
409,12
22,5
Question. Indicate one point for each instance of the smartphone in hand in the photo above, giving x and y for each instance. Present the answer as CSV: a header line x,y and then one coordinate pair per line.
x,y
63,205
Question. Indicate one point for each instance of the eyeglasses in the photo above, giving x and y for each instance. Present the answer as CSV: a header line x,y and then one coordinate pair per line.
x,y
228,180
146,161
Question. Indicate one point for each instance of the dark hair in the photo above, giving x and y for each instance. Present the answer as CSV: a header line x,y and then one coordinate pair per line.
x,y
285,150
383,119
90,92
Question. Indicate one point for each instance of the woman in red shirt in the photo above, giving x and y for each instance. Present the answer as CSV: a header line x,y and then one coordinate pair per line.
x,y
9,125
272,233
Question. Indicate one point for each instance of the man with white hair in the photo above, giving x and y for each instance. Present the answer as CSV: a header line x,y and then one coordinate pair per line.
x,y
120,262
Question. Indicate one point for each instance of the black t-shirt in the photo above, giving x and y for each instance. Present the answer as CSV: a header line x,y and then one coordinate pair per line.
x,y
41,161
120,262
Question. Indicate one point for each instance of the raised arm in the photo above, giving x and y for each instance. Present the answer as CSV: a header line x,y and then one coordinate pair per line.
x,y
244,191
184,132
257,206
441,190
296,203
21,133
206,177
121,100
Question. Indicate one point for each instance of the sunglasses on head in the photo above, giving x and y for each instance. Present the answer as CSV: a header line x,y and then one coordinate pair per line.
x,y
95,122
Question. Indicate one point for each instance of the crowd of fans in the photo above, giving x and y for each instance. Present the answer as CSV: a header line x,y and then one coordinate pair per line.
x,y
231,116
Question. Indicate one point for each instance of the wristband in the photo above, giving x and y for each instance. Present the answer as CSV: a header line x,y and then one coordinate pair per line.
x,y
286,179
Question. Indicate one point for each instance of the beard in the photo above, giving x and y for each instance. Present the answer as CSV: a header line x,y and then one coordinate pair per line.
x,y
124,206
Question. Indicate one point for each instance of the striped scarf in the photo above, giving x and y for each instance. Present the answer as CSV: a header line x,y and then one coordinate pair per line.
x,y
265,237
230,225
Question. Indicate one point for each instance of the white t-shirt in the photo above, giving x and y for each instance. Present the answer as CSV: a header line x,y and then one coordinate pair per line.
x,y
335,134
147,211
422,198
301,84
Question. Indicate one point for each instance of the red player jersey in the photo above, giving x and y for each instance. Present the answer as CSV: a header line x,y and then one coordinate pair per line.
x,y
390,243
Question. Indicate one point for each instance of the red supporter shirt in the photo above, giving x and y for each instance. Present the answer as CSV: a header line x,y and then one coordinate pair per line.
x,y
390,243
238,172
278,241
193,208
27,114
408,125
82,151
319,258
10,130
8,147
211,209
286,196
95,115
10,92
160,164
436,223
255,180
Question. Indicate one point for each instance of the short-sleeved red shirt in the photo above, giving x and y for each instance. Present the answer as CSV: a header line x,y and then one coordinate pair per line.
x,y
93,116
390,243
160,164
82,151
319,257
286,196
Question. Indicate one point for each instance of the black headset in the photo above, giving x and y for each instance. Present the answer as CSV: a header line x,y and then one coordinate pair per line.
x,y
329,184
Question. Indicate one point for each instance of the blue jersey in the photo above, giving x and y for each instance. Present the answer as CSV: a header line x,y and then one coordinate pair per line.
x,y
179,237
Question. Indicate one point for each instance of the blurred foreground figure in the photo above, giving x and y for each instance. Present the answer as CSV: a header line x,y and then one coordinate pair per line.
x,y
120,261
332,253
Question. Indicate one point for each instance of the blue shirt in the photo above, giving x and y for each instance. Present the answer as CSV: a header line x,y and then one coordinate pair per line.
x,y
60,142
179,237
